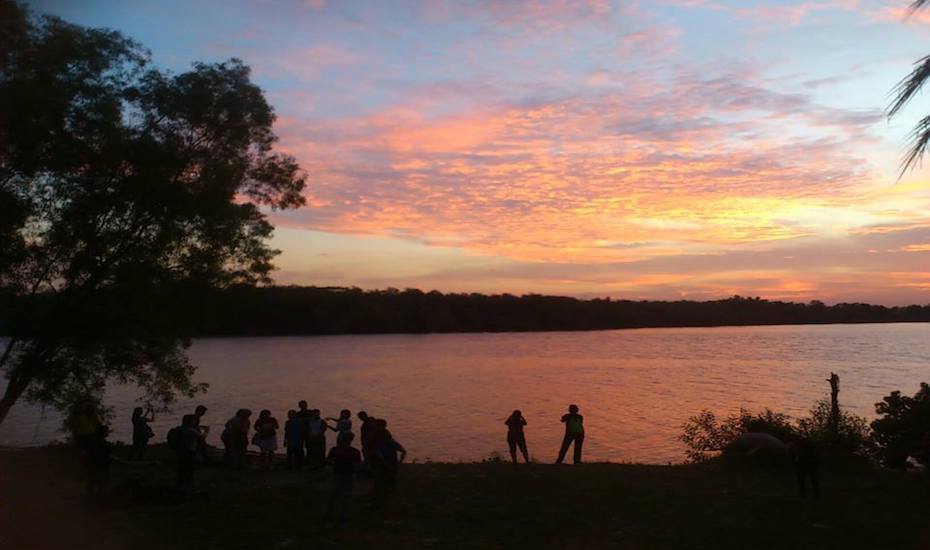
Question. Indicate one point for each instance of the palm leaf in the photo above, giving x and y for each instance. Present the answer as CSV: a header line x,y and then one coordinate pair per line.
x,y
910,84
919,142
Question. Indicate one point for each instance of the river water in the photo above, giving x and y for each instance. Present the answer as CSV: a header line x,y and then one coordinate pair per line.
x,y
446,396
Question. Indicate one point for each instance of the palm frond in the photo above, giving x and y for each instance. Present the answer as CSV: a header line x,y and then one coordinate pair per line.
x,y
904,91
910,84
919,143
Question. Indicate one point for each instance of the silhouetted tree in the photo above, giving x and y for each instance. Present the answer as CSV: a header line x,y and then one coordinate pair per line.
x,y
125,192
904,92
903,428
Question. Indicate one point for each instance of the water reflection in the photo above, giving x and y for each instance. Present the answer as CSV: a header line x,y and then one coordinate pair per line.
x,y
447,396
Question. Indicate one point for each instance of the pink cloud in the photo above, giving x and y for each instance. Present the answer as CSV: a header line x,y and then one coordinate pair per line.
x,y
692,163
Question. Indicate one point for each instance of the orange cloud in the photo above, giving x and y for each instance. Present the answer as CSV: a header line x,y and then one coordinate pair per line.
x,y
551,180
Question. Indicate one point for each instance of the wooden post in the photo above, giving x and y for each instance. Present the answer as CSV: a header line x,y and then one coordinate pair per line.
x,y
834,381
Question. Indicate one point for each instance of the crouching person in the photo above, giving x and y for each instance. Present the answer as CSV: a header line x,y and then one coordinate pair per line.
x,y
345,459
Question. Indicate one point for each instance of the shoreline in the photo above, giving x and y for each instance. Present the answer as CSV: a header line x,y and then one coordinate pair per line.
x,y
716,505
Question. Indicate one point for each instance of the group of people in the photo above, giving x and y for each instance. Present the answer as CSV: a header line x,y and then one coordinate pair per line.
x,y
304,438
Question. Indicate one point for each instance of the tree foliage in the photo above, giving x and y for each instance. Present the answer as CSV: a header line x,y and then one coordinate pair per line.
x,y
853,435
276,310
903,428
125,192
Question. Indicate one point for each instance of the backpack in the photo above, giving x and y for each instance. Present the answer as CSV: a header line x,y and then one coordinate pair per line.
x,y
175,439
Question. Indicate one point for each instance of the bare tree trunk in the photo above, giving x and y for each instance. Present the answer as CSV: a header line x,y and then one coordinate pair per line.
x,y
14,390
834,381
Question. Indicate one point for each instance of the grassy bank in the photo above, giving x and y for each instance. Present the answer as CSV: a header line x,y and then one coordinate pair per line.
x,y
488,505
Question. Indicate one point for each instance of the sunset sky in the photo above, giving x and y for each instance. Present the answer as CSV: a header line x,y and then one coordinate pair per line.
x,y
634,149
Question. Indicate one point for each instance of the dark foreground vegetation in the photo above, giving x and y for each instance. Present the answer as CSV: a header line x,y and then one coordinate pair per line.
x,y
715,504
296,310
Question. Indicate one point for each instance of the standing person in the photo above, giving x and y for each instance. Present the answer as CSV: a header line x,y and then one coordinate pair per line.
x,y
295,434
316,440
574,433
90,435
184,441
343,423
367,432
141,432
386,462
516,437
304,414
344,458
266,437
203,431
236,438
806,465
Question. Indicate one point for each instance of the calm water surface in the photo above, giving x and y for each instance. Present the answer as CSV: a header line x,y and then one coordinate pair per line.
x,y
446,396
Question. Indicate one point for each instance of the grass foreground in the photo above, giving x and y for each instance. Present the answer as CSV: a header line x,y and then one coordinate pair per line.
x,y
716,505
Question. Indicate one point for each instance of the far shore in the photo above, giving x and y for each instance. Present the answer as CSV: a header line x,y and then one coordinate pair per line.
x,y
549,331
318,311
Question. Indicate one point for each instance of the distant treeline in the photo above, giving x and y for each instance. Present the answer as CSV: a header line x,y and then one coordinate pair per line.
x,y
295,310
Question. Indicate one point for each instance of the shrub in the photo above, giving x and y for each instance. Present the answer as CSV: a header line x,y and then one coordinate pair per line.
x,y
703,434
903,429
853,435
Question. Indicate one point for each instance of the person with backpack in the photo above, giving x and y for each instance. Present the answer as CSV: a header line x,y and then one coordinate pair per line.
x,y
574,433
141,432
385,463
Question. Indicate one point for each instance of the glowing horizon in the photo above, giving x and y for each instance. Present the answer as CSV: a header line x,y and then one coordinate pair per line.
x,y
657,150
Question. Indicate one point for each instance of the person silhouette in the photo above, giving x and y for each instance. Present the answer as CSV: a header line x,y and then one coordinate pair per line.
x,y
316,440
806,465
295,433
345,459
235,438
574,433
186,446
385,463
266,437
90,433
303,415
367,431
515,436
203,432
141,432
343,423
